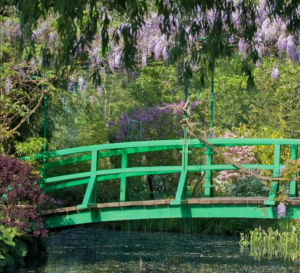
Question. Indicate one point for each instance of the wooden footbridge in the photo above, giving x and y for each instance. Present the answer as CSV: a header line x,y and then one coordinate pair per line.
x,y
91,211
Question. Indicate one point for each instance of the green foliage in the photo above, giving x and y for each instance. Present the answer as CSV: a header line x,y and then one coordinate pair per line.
x,y
32,145
272,243
249,186
13,249
291,169
155,84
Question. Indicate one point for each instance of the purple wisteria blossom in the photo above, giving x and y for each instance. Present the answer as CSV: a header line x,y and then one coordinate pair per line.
x,y
158,122
7,86
81,83
70,85
281,210
275,73
99,91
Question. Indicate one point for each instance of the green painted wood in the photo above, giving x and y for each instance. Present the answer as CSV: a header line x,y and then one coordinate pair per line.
x,y
181,188
61,183
208,187
102,154
276,171
95,176
293,183
163,211
90,196
62,178
140,171
193,143
123,186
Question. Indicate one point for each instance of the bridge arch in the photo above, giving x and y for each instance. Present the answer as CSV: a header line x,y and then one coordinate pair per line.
x,y
90,211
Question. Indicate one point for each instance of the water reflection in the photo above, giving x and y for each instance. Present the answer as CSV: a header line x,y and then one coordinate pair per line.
x,y
90,249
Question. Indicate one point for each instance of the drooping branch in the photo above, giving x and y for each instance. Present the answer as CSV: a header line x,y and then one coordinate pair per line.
x,y
31,112
192,132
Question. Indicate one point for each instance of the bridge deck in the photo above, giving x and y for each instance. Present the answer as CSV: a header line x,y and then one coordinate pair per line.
x,y
193,201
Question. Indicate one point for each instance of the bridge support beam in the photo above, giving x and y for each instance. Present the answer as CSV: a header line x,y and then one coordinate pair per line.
x,y
108,214
293,183
90,196
276,171
181,189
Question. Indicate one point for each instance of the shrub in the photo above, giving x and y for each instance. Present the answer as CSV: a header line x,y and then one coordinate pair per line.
x,y
249,186
21,199
12,248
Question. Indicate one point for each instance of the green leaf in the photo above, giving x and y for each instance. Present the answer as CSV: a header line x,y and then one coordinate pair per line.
x,y
9,259
21,248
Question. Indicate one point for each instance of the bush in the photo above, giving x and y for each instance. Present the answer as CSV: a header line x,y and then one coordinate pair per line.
x,y
12,248
21,204
21,199
249,186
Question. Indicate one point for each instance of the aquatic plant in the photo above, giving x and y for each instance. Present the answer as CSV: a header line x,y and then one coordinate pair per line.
x,y
273,243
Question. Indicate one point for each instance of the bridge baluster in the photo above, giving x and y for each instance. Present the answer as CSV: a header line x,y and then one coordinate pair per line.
x,y
123,186
90,196
208,192
293,183
276,171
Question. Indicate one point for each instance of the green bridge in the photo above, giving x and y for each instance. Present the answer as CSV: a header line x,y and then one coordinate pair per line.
x,y
89,211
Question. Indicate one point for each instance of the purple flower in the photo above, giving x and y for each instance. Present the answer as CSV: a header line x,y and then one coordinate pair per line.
x,y
281,210
99,91
165,53
275,73
243,47
281,43
144,58
81,83
70,85
51,37
7,23
92,98
7,86
290,47
231,39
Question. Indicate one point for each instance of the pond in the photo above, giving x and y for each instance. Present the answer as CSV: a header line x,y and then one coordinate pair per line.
x,y
92,249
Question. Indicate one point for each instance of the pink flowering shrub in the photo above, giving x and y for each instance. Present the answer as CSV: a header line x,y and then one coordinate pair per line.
x,y
240,154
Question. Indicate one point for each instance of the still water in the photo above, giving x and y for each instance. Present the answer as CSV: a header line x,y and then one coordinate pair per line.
x,y
91,249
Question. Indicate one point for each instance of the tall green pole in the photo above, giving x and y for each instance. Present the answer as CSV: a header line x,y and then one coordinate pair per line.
x,y
186,95
45,122
208,186
211,107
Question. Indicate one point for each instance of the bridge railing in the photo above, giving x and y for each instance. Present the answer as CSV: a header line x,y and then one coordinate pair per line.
x,y
93,153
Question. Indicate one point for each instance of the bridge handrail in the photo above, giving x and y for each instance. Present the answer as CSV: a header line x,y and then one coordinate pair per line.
x,y
192,143
94,152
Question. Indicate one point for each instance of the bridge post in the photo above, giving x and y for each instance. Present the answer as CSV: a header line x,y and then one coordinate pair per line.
x,y
90,196
181,189
276,171
123,186
293,183
208,191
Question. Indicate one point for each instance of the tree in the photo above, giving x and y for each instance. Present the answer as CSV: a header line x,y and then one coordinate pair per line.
x,y
181,25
